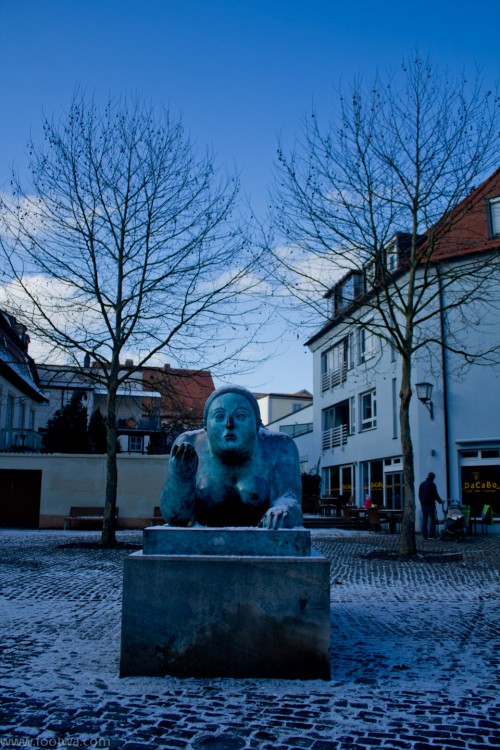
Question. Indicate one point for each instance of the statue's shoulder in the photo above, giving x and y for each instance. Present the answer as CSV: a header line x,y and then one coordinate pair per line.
x,y
276,442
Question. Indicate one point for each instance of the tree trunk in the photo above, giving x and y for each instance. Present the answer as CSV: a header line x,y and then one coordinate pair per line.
x,y
407,541
109,523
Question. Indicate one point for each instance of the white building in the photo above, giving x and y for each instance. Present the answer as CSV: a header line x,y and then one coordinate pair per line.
x,y
137,409
274,406
299,426
455,431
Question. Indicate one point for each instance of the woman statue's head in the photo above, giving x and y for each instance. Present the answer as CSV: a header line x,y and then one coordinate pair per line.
x,y
232,419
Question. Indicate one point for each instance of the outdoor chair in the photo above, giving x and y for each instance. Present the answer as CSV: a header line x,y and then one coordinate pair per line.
x,y
376,520
485,519
351,519
327,506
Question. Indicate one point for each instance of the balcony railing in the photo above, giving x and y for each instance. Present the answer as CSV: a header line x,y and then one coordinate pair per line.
x,y
294,430
17,439
335,437
333,378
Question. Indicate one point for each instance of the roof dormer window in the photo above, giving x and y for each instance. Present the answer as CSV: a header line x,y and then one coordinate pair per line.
x,y
347,290
493,217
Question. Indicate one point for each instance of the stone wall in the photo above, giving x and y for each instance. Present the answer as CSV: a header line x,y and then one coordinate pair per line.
x,y
69,480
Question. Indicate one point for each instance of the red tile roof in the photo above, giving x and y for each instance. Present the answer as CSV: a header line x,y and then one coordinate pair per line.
x,y
183,392
465,229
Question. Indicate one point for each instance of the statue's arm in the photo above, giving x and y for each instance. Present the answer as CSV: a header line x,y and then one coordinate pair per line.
x,y
177,499
286,487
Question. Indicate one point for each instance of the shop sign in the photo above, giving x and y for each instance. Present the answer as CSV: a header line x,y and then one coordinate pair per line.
x,y
480,482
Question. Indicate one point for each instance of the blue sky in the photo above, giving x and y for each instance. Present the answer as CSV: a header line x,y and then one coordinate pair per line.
x,y
239,72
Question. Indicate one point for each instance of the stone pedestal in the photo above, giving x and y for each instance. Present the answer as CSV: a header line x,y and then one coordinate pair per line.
x,y
217,613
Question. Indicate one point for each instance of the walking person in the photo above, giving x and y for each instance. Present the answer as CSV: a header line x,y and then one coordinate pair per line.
x,y
428,494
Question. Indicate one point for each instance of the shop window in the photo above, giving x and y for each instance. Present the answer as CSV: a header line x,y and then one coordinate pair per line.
x,y
338,482
481,486
372,480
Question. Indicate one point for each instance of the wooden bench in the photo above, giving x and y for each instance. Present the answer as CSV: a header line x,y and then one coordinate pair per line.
x,y
85,514
157,519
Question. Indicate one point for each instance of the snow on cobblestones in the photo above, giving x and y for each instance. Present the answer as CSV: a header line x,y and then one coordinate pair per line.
x,y
415,655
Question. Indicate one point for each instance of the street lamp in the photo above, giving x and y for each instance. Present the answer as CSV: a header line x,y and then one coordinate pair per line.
x,y
424,394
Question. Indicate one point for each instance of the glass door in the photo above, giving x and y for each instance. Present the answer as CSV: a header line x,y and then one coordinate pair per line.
x,y
393,496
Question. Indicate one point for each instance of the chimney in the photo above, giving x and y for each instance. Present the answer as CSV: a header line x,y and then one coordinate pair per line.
x,y
86,360
129,363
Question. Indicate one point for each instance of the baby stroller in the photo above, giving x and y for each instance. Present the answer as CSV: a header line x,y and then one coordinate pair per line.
x,y
454,522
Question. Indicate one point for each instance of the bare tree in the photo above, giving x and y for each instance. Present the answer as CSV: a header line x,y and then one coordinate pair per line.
x,y
398,155
127,242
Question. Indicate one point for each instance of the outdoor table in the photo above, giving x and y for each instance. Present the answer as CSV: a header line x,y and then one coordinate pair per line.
x,y
394,517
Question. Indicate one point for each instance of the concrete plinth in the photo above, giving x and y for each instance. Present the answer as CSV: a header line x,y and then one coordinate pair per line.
x,y
226,616
239,541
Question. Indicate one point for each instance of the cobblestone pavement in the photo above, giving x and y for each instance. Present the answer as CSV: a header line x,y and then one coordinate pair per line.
x,y
415,656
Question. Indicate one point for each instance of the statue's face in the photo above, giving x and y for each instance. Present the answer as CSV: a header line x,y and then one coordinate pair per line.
x,y
231,426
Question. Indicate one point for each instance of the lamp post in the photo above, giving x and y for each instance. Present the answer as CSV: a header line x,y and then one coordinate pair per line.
x,y
424,394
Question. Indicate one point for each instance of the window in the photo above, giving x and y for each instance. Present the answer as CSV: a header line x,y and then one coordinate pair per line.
x,y
392,258
334,365
395,409
297,407
338,482
372,480
9,413
481,486
21,415
490,454
31,423
135,443
366,344
335,423
352,402
493,217
370,275
347,291
368,410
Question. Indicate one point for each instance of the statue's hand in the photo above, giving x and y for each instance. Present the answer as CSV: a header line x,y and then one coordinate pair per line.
x,y
275,518
184,460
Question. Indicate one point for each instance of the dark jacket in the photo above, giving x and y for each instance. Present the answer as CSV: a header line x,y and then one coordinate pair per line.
x,y
428,494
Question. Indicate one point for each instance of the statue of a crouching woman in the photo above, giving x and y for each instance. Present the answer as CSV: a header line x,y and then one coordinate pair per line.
x,y
233,472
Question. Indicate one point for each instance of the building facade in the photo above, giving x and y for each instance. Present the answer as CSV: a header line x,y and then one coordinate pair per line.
x,y
274,406
454,412
299,426
20,395
153,402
